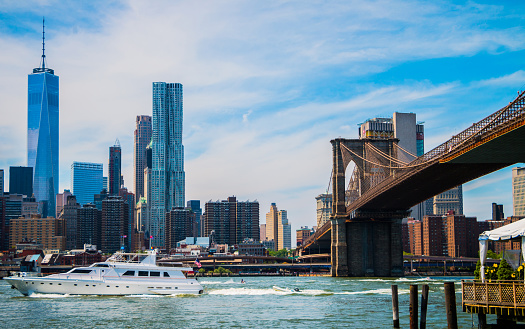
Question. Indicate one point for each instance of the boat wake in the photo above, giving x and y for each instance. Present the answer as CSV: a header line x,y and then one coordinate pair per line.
x,y
260,292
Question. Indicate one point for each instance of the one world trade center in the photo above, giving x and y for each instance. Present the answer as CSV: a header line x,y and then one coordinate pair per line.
x,y
42,133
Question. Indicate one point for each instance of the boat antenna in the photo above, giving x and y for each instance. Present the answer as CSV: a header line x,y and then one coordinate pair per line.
x,y
43,63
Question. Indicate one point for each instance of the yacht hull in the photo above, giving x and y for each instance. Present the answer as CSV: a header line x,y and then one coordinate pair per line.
x,y
43,285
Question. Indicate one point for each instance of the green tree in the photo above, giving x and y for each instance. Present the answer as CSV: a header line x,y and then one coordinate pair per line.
x,y
504,272
202,271
477,271
278,253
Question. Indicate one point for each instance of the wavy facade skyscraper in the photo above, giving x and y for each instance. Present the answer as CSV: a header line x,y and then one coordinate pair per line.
x,y
167,175
42,133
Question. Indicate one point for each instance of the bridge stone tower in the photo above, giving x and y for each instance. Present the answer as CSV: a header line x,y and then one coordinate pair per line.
x,y
365,242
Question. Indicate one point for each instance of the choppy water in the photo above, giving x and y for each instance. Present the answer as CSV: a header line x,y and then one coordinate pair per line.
x,y
323,302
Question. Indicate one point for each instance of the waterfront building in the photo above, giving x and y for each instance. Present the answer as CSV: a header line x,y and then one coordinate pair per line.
x,y
285,231
272,230
1,182
103,195
231,221
114,224
497,212
61,200
195,206
141,219
115,168
277,228
414,237
462,236
43,132
105,183
11,209
179,225
141,214
302,234
86,180
47,231
21,180
251,247
433,237
167,176
324,208
142,139
129,199
451,200
69,215
30,207
4,234
262,232
518,191
89,225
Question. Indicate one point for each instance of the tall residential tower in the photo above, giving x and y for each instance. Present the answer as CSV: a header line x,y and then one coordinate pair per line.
x,y
167,176
42,132
142,140
115,169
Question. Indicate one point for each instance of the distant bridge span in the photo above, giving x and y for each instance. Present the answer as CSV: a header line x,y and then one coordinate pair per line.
x,y
364,234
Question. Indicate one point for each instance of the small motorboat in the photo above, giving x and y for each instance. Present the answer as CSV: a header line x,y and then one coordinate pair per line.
x,y
285,289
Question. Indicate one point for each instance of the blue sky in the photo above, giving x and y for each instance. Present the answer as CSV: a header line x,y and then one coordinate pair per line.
x,y
266,84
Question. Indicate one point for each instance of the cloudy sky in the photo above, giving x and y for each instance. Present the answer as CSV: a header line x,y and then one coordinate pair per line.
x,y
267,84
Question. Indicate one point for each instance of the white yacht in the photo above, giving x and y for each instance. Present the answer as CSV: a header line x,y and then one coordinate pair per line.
x,y
121,274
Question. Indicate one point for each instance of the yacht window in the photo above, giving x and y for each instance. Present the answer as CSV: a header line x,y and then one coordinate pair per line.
x,y
130,273
143,273
154,273
101,265
80,271
166,275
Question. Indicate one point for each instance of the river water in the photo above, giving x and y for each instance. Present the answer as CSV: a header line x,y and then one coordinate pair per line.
x,y
324,302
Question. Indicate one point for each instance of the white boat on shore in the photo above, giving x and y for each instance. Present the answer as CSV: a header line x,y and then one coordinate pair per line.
x,y
121,274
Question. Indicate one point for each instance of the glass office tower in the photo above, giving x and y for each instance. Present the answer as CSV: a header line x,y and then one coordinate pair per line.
x,y
86,181
167,176
42,134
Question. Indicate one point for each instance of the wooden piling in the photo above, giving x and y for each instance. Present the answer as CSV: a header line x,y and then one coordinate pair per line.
x,y
424,303
395,306
450,305
413,306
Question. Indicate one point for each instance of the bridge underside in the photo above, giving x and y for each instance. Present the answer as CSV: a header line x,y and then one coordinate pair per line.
x,y
482,158
367,248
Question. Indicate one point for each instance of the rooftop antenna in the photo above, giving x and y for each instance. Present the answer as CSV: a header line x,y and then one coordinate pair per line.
x,y
117,143
43,44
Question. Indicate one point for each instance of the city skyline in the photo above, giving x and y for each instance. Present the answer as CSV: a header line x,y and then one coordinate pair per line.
x,y
265,91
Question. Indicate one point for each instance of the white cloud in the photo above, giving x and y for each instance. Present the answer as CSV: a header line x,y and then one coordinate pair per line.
x,y
289,69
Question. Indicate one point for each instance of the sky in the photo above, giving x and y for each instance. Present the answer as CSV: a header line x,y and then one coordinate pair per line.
x,y
267,84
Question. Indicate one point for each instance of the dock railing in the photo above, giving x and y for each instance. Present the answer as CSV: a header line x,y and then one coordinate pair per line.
x,y
501,294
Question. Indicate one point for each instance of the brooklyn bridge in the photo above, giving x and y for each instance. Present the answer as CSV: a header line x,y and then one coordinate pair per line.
x,y
363,235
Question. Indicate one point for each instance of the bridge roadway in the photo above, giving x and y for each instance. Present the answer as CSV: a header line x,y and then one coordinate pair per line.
x,y
491,144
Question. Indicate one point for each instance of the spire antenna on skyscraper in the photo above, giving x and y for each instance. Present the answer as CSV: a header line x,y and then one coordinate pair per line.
x,y
43,64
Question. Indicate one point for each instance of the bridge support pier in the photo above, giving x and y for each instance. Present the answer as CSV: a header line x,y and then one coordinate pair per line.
x,y
366,247
339,246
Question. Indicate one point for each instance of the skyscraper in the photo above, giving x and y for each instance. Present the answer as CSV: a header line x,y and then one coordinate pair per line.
x,y
231,221
167,176
324,208
42,133
1,182
142,140
115,168
21,180
518,191
86,181
195,206
278,229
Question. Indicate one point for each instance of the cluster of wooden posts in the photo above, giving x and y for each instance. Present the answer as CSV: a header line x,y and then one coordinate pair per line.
x,y
450,305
